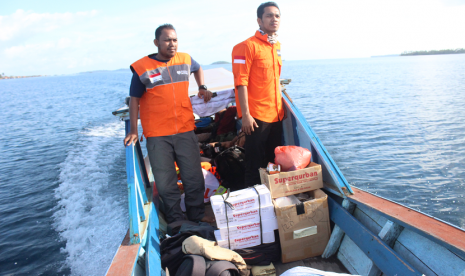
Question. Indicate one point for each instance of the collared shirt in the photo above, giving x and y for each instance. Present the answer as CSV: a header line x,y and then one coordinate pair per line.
x,y
257,64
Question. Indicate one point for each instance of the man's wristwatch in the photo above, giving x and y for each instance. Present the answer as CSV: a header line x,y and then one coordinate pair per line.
x,y
203,86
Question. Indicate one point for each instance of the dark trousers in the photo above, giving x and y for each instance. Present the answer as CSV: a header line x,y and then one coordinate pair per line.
x,y
183,148
259,149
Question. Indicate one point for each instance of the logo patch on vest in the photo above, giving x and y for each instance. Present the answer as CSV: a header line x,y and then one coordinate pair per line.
x,y
155,77
278,52
182,72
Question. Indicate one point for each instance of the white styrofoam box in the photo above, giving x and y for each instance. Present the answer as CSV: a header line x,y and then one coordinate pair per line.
x,y
245,217
248,229
244,241
242,200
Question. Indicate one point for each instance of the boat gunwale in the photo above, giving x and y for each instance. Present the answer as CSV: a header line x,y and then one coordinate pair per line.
x,y
414,220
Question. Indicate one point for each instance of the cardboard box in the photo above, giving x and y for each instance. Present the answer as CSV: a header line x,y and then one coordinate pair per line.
x,y
244,217
304,235
295,182
248,229
246,241
245,199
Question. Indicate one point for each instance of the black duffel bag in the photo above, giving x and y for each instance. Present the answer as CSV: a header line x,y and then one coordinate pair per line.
x,y
230,165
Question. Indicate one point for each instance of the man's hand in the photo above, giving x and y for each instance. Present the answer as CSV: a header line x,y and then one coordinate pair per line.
x,y
131,138
206,95
248,124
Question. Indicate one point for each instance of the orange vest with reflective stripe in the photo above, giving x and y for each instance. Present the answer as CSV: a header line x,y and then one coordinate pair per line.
x,y
165,108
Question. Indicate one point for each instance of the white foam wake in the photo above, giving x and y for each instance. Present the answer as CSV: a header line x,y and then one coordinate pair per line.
x,y
91,215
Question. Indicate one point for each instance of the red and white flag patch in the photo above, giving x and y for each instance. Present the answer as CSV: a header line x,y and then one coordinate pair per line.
x,y
239,59
155,77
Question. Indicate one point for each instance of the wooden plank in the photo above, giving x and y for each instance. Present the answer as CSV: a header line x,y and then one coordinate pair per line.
x,y
346,263
139,200
436,257
386,259
357,258
125,258
372,220
152,253
390,232
452,238
133,212
337,234
140,182
412,259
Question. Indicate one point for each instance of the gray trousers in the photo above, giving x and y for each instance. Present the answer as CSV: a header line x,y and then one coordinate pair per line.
x,y
183,148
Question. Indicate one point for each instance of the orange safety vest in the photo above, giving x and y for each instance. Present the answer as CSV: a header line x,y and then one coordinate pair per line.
x,y
257,64
165,108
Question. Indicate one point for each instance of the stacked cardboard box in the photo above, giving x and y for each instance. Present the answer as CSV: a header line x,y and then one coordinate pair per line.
x,y
304,228
244,218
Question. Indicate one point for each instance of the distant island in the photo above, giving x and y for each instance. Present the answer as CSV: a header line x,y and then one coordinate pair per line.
x,y
434,52
3,77
220,62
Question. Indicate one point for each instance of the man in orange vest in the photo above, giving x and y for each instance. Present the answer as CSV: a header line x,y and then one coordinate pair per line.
x,y
256,64
159,90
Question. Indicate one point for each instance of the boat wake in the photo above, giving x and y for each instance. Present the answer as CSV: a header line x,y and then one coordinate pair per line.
x,y
91,215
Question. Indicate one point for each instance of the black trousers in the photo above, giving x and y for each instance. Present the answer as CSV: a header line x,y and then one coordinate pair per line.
x,y
163,151
259,149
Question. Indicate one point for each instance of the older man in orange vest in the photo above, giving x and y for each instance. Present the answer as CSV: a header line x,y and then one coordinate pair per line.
x,y
159,90
256,64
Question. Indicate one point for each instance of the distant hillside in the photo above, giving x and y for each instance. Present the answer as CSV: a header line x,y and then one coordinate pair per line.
x,y
220,62
434,52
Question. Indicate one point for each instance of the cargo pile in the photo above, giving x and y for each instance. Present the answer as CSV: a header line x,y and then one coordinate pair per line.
x,y
245,218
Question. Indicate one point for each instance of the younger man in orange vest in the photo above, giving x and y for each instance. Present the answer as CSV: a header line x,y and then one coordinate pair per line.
x,y
160,87
256,64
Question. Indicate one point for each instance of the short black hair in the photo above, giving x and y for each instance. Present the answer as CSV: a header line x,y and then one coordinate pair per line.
x,y
261,8
161,28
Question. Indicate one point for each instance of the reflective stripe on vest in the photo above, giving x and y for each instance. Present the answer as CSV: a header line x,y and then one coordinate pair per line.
x,y
165,107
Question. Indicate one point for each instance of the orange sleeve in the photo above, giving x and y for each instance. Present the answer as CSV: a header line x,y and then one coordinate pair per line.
x,y
242,59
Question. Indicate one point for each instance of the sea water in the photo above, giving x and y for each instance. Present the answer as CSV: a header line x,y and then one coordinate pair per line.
x,y
395,126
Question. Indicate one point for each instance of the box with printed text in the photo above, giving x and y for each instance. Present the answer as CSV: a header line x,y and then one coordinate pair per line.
x,y
244,241
293,182
253,228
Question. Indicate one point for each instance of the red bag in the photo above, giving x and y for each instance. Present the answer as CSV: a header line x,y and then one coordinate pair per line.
x,y
292,158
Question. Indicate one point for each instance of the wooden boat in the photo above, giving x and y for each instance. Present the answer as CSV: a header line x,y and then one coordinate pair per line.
x,y
371,235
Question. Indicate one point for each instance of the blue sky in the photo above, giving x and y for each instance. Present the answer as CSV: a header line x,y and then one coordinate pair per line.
x,y
58,37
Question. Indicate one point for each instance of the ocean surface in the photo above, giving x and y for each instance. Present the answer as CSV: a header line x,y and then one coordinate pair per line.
x,y
394,125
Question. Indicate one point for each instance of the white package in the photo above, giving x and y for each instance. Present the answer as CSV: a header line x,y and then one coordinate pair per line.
x,y
241,200
246,241
248,229
244,217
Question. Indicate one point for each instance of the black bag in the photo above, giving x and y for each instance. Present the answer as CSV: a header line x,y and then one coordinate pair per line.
x,y
230,165
171,248
194,265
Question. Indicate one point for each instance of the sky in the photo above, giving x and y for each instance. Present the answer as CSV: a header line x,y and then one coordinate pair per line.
x,y
66,37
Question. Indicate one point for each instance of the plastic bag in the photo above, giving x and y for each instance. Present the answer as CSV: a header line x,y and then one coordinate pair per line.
x,y
292,158
287,201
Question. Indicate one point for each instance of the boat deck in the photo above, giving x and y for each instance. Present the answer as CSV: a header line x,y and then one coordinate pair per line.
x,y
331,264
